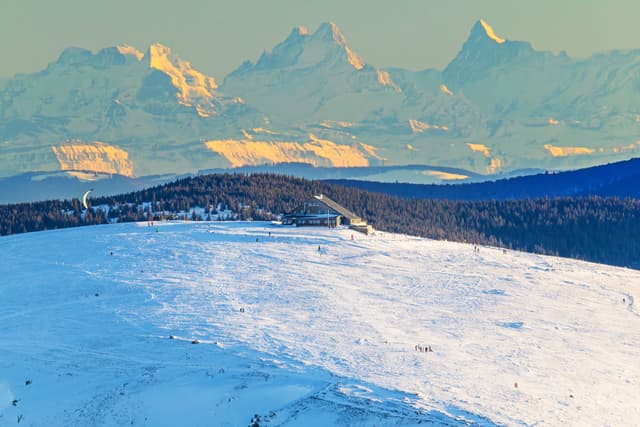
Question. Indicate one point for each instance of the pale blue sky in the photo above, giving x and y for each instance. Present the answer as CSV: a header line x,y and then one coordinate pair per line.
x,y
217,35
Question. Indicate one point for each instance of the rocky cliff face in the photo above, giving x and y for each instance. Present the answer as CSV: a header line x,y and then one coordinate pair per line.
x,y
94,156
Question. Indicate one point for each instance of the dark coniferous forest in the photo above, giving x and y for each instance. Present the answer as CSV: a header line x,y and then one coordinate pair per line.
x,y
591,228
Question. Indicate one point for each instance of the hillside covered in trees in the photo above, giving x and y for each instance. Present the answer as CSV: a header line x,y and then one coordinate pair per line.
x,y
590,228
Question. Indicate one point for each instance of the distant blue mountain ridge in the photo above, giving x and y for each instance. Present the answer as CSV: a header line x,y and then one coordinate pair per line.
x,y
620,179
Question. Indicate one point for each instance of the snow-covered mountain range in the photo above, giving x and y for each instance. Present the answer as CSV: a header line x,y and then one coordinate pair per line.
x,y
499,105
205,324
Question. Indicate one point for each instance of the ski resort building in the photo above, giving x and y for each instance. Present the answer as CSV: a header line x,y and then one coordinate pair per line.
x,y
324,212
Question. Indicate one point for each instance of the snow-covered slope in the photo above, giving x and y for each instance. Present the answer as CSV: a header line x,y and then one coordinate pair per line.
x,y
308,326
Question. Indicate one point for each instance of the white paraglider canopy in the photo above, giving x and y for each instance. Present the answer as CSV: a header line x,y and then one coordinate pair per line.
x,y
84,198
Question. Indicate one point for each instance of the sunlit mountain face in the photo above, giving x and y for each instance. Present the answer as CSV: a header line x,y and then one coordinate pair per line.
x,y
500,105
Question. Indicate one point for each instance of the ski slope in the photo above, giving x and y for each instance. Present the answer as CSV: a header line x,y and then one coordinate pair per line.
x,y
305,326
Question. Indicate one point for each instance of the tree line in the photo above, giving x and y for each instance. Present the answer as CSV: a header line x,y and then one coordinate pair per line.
x,y
599,229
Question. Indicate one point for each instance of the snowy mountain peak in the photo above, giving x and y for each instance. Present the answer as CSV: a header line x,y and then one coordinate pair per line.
x,y
104,58
74,55
326,47
488,31
329,31
483,34
157,50
484,50
191,84
126,49
296,36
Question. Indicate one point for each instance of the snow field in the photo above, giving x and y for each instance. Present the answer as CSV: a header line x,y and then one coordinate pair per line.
x,y
324,336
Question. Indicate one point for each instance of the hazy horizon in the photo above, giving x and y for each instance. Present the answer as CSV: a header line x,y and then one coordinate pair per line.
x,y
415,35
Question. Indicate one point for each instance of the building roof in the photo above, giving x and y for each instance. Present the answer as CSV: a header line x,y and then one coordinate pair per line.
x,y
336,207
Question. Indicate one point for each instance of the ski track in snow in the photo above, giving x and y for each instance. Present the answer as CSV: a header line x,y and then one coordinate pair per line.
x,y
323,338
